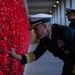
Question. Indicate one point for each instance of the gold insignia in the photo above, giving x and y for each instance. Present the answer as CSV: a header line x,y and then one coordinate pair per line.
x,y
27,57
30,57
45,47
74,69
37,23
33,25
66,52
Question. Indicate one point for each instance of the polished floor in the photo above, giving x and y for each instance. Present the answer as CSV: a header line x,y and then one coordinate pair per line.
x,y
45,65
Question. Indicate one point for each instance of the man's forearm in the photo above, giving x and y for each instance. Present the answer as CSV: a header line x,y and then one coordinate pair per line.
x,y
19,57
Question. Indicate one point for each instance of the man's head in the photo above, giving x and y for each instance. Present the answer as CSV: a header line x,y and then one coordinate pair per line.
x,y
41,26
70,13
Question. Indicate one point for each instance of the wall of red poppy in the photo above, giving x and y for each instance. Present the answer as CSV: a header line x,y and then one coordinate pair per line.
x,y
13,33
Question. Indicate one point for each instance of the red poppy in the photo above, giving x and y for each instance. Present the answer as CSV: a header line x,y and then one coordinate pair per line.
x,y
13,33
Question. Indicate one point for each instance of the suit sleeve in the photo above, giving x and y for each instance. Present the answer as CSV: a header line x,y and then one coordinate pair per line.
x,y
32,56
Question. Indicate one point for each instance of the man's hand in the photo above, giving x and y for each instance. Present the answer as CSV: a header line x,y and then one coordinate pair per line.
x,y
13,53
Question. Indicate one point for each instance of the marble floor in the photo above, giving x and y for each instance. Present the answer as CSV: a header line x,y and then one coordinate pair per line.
x,y
45,65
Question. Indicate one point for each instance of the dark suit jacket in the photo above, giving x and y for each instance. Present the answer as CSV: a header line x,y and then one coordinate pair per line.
x,y
72,24
66,52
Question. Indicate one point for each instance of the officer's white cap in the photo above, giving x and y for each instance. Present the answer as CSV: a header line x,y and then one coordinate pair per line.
x,y
38,19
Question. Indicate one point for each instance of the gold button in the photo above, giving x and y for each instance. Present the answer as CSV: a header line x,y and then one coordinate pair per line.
x,y
69,60
66,63
44,46
66,51
65,56
63,48
74,69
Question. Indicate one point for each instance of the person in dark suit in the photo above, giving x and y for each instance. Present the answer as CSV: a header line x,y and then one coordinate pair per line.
x,y
57,39
71,17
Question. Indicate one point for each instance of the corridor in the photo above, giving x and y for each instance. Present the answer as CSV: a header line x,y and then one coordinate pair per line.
x,y
45,65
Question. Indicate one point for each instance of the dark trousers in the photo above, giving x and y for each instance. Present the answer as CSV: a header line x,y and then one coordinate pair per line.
x,y
68,69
